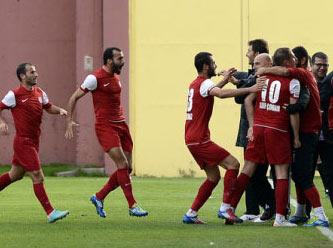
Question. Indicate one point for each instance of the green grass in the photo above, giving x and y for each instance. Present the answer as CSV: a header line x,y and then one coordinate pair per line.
x,y
23,222
52,169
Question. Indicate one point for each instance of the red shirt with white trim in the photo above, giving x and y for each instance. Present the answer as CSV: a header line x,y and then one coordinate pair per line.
x,y
27,109
268,110
199,110
105,89
310,119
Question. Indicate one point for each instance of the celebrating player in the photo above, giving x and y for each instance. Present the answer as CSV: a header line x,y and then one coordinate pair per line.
x,y
27,103
110,126
207,154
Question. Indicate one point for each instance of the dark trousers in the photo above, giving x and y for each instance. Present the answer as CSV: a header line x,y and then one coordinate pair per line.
x,y
259,192
302,168
325,151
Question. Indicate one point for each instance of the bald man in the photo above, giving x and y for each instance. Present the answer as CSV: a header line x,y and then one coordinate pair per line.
x,y
259,192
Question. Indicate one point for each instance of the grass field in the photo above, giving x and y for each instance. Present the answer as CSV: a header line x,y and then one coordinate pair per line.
x,y
23,222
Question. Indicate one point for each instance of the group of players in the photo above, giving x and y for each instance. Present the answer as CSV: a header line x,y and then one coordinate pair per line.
x,y
27,103
273,98
286,122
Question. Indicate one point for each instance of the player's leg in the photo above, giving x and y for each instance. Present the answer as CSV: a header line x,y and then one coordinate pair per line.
x,y
231,164
37,178
281,195
242,182
205,191
303,175
16,173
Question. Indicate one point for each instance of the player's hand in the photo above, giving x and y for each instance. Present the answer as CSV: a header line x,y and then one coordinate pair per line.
x,y
221,73
297,143
3,128
260,71
260,84
228,73
249,135
234,80
62,112
69,129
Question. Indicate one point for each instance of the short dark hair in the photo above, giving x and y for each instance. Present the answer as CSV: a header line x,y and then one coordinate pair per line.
x,y
201,59
259,45
108,53
280,55
319,55
21,69
300,52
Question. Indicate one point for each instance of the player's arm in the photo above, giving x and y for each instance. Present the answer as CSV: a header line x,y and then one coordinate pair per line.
x,y
245,83
302,102
55,110
3,125
227,74
294,118
275,70
226,93
294,121
249,108
71,106
9,101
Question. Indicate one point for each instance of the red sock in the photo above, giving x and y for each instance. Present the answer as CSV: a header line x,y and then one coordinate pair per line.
x,y
4,181
300,196
230,178
42,197
312,195
204,192
281,195
240,186
125,184
112,184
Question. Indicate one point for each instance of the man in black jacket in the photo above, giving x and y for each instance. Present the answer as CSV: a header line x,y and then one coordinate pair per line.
x,y
325,144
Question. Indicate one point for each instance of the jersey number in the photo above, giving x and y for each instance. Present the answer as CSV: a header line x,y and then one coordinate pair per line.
x,y
190,100
274,92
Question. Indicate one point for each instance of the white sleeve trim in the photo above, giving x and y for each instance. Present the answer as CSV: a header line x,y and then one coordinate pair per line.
x,y
45,99
90,83
205,87
295,87
9,99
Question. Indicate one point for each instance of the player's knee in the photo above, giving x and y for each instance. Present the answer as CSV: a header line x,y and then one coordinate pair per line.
x,y
214,178
37,176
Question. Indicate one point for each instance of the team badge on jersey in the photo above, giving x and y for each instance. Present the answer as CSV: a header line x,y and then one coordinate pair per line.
x,y
40,99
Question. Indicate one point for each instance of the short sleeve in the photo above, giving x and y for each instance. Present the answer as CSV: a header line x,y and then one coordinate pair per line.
x,y
295,88
8,101
89,84
45,100
206,86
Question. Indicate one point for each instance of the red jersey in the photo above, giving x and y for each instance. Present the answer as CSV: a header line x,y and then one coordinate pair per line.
x,y
105,89
27,109
268,110
310,120
199,110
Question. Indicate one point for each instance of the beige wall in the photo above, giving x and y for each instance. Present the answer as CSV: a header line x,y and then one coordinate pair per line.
x,y
164,38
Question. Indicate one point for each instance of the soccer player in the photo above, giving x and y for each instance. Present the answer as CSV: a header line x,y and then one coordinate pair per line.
x,y
27,103
110,126
207,154
269,138
310,121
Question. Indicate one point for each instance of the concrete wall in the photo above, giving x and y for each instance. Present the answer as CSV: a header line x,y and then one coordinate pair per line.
x,y
43,33
164,37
